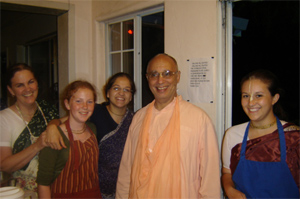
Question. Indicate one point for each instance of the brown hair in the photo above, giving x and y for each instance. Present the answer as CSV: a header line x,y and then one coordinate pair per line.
x,y
16,68
74,86
272,81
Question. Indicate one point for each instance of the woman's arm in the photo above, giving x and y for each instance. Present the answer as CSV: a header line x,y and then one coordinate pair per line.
x,y
12,162
229,186
44,192
53,137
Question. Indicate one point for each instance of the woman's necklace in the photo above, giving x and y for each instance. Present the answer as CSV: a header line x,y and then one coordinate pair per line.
x,y
32,137
115,113
23,115
78,131
262,127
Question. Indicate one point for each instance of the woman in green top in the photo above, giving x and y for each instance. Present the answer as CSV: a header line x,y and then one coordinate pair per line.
x,y
72,172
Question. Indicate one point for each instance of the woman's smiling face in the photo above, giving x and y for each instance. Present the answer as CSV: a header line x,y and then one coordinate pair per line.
x,y
24,86
120,93
257,101
81,105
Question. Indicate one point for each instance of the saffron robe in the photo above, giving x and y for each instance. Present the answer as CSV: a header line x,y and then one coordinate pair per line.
x,y
199,154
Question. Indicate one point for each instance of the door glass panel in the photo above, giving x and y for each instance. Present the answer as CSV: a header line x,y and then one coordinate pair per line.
x,y
128,63
116,63
122,50
128,34
128,68
152,44
115,33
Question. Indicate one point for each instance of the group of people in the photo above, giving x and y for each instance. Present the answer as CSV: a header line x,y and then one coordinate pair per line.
x,y
71,167
167,149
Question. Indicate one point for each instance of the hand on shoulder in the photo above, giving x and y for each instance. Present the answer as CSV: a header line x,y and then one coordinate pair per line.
x,y
53,138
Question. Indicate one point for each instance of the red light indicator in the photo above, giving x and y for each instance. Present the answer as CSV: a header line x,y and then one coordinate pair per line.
x,y
130,32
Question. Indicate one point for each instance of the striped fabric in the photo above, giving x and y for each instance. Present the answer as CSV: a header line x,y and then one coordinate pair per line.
x,y
80,173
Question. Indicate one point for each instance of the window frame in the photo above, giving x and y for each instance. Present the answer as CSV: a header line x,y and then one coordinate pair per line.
x,y
137,49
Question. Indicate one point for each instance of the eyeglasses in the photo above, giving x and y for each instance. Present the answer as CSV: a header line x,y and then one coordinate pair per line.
x,y
166,74
118,89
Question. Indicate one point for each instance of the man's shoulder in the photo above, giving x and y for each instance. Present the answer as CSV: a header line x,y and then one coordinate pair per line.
x,y
186,103
141,112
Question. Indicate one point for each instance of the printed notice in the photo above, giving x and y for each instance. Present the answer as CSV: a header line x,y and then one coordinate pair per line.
x,y
200,89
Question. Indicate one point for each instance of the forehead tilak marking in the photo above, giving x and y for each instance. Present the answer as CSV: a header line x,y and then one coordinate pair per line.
x,y
250,89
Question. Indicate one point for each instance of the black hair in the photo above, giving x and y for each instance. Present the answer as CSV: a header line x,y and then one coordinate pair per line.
x,y
112,80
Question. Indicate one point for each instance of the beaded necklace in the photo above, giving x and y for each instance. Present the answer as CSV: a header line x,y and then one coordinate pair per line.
x,y
32,137
78,131
262,127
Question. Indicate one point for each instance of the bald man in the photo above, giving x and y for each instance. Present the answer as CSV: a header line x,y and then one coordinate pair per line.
x,y
171,149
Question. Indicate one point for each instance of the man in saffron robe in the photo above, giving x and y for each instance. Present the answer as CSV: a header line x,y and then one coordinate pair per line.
x,y
171,150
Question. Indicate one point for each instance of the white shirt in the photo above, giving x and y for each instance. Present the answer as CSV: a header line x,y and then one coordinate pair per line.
x,y
11,126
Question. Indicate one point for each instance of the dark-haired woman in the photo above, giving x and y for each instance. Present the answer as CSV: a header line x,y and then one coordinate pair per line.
x,y
22,125
261,157
113,119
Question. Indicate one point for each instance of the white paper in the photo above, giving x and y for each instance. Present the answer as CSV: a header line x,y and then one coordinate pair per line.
x,y
200,87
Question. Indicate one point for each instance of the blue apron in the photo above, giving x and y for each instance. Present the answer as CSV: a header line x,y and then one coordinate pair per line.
x,y
265,179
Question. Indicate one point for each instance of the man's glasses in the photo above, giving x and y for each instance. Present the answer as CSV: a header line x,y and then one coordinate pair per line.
x,y
125,90
166,74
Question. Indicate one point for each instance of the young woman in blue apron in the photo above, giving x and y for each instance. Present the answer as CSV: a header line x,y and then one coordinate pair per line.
x,y
267,165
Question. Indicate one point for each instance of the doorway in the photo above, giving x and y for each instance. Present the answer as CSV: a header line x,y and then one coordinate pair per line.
x,y
42,56
152,44
132,41
266,36
29,35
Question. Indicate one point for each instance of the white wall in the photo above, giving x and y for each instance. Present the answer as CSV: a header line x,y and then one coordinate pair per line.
x,y
102,11
191,31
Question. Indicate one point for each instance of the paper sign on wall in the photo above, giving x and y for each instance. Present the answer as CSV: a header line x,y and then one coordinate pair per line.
x,y
200,87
